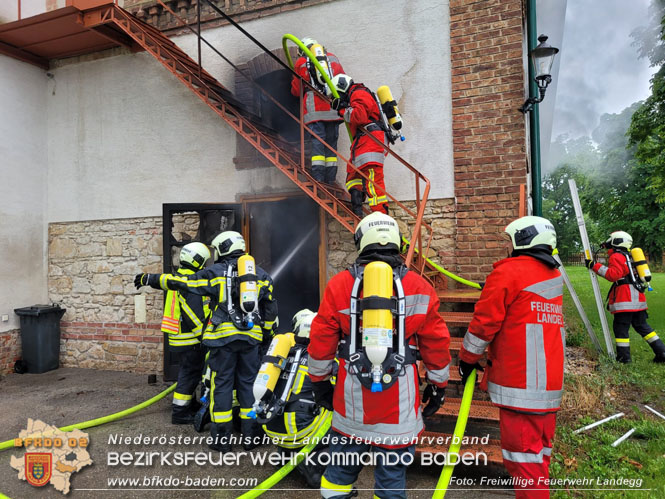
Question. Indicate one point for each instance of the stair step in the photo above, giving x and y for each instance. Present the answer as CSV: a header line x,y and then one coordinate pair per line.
x,y
480,410
429,443
459,295
457,319
454,376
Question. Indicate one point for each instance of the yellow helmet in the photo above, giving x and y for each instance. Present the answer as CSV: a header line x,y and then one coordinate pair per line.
x,y
302,322
531,232
377,231
194,255
227,242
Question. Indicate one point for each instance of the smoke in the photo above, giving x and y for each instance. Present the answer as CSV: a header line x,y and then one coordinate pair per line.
x,y
291,253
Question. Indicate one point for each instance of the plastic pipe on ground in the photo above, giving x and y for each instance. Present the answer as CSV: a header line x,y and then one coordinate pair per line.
x,y
598,423
623,437
655,412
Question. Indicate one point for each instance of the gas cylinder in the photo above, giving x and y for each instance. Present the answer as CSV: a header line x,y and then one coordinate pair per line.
x,y
389,106
641,265
377,323
322,59
248,288
270,370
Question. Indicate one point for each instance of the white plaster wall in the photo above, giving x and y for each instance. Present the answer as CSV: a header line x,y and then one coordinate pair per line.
x,y
405,45
126,136
23,163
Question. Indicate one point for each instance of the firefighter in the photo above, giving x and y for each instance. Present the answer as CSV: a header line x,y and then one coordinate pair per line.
x,y
358,106
519,318
389,420
317,114
232,336
627,302
185,316
302,418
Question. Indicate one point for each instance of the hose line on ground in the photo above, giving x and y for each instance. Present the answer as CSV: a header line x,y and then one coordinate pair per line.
x,y
458,434
106,419
271,481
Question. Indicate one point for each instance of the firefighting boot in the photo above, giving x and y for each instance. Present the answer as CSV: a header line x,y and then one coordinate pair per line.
x,y
221,434
357,198
202,416
251,434
657,346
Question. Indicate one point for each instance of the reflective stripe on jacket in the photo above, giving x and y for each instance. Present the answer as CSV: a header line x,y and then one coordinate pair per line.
x,y
391,418
520,318
622,297
211,282
185,315
315,108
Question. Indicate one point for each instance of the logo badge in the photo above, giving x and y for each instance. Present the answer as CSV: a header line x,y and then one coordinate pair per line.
x,y
38,468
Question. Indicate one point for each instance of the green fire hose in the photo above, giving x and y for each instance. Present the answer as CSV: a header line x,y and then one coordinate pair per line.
x,y
106,419
271,481
318,66
458,434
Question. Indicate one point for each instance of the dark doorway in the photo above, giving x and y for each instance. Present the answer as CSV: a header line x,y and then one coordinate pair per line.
x,y
278,85
284,240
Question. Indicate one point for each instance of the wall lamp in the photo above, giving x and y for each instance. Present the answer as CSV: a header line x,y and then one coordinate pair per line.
x,y
542,57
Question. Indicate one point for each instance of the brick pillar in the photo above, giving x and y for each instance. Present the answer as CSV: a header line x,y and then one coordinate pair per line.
x,y
489,133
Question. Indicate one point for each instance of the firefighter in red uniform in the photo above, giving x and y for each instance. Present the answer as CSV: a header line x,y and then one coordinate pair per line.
x,y
317,114
358,105
520,318
627,303
365,419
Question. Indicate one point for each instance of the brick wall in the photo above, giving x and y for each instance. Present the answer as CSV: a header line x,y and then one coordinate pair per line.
x,y
241,10
10,350
489,146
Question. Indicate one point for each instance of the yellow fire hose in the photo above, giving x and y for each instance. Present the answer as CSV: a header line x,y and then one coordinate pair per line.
x,y
318,67
106,419
444,271
271,481
458,434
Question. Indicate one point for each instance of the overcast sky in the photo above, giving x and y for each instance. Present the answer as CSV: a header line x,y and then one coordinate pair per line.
x,y
599,71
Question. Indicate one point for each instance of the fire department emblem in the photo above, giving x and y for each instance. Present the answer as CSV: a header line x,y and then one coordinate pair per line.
x,y
38,468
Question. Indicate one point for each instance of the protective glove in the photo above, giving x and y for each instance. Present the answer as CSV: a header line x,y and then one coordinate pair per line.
x,y
151,280
323,394
589,263
435,396
465,370
339,103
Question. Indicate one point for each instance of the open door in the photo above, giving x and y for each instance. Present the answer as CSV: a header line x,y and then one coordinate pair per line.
x,y
185,223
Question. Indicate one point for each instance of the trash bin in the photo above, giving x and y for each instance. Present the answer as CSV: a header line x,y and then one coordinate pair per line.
x,y
40,336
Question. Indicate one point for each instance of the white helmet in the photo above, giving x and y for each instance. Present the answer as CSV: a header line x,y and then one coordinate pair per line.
x,y
307,42
194,255
227,242
377,231
531,232
341,82
619,239
302,323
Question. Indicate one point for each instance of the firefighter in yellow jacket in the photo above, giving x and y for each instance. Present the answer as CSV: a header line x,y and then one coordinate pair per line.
x,y
185,316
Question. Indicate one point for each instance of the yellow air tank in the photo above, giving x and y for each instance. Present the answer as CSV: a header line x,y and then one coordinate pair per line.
x,y
389,106
248,288
321,57
269,373
641,264
377,323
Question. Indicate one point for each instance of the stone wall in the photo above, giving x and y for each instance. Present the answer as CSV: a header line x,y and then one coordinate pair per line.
x,y
91,270
439,214
10,350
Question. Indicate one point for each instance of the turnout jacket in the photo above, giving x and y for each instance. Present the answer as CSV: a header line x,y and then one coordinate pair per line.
x,y
391,418
363,110
520,317
315,107
623,297
185,316
302,418
211,282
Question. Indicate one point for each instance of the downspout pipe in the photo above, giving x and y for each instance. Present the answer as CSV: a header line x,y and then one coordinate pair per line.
x,y
534,118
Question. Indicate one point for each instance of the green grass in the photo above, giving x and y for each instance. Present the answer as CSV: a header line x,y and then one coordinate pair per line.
x,y
606,390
